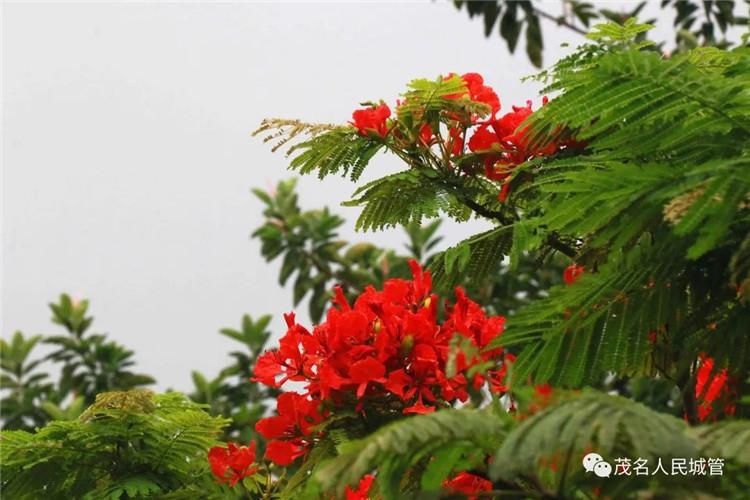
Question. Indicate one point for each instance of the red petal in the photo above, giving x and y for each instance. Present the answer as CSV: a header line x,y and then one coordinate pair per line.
x,y
283,453
274,427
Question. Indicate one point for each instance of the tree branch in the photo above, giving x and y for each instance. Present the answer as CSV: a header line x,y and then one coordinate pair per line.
x,y
559,20
554,241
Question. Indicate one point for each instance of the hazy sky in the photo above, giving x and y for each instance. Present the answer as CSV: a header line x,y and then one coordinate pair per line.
x,y
127,158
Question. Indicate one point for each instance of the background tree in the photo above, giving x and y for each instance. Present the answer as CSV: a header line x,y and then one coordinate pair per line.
x,y
90,363
25,387
126,445
696,22
232,394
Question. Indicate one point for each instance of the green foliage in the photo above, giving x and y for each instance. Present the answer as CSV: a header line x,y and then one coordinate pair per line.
x,y
539,456
329,150
319,260
90,364
511,19
24,386
231,393
610,425
696,23
316,260
462,438
667,142
398,199
730,439
126,445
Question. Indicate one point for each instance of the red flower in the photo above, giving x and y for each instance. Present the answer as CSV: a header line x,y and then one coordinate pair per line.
x,y
231,464
372,120
504,144
362,489
289,430
507,127
426,134
477,91
467,483
275,367
484,139
542,398
365,371
572,273
296,415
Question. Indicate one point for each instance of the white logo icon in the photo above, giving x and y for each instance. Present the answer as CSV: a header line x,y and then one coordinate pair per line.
x,y
602,469
590,460
593,462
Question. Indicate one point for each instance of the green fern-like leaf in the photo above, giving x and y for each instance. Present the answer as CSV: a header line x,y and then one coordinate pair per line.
x,y
165,437
398,199
395,447
729,440
341,151
475,257
592,422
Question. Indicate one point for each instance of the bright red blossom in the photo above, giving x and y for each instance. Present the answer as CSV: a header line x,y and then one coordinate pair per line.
x,y
231,464
502,142
372,120
505,144
387,347
478,91
289,430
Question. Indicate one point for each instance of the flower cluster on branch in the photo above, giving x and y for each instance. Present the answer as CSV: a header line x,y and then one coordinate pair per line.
x,y
473,129
387,352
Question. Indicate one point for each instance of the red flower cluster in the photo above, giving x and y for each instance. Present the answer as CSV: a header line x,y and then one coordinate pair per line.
x,y
708,389
372,120
388,348
505,144
467,484
232,463
501,142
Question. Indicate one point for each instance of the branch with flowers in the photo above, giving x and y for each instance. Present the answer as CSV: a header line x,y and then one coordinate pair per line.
x,y
637,173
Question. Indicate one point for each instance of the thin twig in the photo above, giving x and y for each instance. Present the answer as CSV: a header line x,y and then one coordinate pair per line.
x,y
559,20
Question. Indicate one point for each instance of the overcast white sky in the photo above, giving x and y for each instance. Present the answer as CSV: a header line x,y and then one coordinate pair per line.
x,y
127,159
